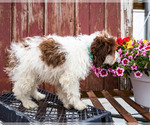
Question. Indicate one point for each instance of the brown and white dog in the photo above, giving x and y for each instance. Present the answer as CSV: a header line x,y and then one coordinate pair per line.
x,y
60,61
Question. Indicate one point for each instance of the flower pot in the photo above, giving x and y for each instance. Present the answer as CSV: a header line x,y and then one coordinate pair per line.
x,y
141,89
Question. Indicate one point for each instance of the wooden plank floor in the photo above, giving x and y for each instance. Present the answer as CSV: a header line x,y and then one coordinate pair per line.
x,y
120,109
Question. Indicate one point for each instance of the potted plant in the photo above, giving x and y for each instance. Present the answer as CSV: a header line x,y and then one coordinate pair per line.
x,y
135,64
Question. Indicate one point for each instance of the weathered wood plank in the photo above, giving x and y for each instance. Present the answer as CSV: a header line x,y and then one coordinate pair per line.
x,y
97,16
89,18
127,23
94,100
59,18
112,18
137,107
5,38
119,19
52,18
128,117
82,18
35,18
82,27
67,18
19,21
127,18
100,95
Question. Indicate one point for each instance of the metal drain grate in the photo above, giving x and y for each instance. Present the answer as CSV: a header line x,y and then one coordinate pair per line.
x,y
50,110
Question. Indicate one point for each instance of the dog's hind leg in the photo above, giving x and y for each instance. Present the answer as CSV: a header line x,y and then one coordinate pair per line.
x,y
22,90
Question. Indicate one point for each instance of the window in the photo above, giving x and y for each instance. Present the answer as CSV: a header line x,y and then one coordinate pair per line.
x,y
138,24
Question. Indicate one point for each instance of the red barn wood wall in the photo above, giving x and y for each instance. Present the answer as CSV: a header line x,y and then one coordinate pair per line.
x,y
18,20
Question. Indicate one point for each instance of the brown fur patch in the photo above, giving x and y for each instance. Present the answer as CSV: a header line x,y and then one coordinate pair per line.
x,y
51,54
101,47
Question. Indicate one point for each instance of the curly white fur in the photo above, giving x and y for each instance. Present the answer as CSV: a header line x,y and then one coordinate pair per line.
x,y
30,70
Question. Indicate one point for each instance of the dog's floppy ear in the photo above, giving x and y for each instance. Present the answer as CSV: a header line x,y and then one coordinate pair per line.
x,y
100,48
111,45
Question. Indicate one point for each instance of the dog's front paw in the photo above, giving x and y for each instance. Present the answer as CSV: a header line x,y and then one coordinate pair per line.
x,y
80,106
30,104
68,106
39,96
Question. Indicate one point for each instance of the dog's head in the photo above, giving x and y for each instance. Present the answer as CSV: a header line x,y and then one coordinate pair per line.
x,y
103,50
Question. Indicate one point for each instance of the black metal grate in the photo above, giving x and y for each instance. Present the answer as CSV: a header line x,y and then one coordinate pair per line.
x,y
50,110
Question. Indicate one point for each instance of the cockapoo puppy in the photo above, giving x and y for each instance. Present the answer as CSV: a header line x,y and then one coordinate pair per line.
x,y
60,61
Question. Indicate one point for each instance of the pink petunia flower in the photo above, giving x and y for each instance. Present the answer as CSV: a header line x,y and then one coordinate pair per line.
x,y
97,72
114,75
110,69
120,51
121,56
125,62
148,43
130,57
138,74
145,67
113,71
134,67
93,68
127,53
138,53
99,68
141,46
147,48
140,41
143,53
119,71
132,44
103,73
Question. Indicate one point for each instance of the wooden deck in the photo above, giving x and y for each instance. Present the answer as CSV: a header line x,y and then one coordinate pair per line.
x,y
125,95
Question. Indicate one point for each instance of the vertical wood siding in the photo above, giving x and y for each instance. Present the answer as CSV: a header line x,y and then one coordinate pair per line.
x,y
18,20
5,38
127,18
